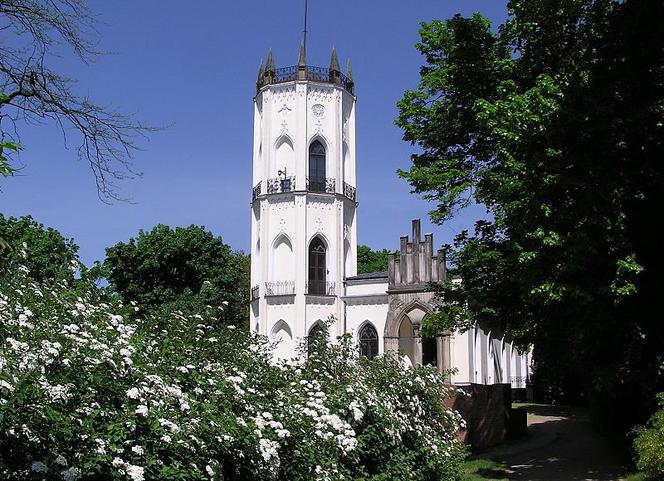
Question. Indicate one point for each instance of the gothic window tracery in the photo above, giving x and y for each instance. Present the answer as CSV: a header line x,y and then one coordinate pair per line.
x,y
368,341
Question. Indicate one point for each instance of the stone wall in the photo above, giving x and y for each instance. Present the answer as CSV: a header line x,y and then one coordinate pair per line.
x,y
486,410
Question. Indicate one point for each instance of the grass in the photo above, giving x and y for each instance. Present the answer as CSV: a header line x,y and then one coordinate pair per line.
x,y
485,469
636,477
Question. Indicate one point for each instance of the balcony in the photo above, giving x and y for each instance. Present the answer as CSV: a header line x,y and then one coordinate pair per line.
x,y
350,192
279,185
254,293
320,288
256,192
321,186
518,382
308,72
280,288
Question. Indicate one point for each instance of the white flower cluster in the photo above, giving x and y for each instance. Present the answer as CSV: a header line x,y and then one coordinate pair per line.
x,y
134,399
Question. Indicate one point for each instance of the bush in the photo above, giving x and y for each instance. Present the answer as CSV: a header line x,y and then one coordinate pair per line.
x,y
87,392
649,444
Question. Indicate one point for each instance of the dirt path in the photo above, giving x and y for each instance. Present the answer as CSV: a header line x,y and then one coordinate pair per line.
x,y
560,445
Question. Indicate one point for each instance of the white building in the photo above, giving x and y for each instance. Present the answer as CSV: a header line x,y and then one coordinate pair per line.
x,y
304,242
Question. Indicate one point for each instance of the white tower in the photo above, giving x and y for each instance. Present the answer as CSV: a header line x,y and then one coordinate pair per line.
x,y
303,232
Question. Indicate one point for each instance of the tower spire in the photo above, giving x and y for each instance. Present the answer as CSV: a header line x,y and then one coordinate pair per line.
x,y
302,63
259,80
269,74
302,59
335,70
349,71
260,71
334,61
269,67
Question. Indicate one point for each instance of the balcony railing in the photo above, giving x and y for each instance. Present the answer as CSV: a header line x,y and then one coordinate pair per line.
x,y
277,186
256,192
315,74
254,293
350,192
320,288
518,382
280,288
324,186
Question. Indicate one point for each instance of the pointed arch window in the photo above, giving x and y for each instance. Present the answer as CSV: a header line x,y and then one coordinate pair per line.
x,y
317,267
317,166
317,336
368,341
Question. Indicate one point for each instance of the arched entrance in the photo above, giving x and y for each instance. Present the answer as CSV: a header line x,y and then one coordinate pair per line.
x,y
407,341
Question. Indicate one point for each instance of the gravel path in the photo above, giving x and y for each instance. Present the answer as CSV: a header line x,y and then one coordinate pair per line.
x,y
560,445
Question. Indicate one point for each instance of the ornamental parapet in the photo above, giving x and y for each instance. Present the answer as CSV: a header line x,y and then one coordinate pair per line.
x,y
305,72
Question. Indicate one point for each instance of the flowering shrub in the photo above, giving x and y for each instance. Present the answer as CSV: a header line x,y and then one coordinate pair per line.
x,y
88,393
649,443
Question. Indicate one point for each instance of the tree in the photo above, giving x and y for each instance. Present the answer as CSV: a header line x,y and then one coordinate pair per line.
x,y
52,257
33,31
369,260
554,123
186,269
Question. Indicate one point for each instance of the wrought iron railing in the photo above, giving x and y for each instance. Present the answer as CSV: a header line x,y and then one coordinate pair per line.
x,y
279,185
315,74
254,293
518,381
350,191
325,186
280,288
320,288
285,74
256,192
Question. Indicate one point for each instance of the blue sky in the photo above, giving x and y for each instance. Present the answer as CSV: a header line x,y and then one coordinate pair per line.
x,y
194,69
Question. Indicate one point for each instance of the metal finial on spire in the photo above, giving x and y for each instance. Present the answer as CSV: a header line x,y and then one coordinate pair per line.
x,y
334,61
304,41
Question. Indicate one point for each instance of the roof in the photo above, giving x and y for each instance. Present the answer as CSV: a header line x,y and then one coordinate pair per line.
x,y
369,275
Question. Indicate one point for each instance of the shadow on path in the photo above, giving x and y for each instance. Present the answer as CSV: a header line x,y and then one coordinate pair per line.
x,y
560,445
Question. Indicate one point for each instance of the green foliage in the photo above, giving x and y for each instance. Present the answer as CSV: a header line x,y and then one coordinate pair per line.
x,y
52,257
7,170
554,122
649,444
89,392
369,260
186,269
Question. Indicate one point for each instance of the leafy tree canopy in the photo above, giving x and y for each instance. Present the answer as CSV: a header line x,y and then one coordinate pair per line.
x,y
186,269
369,260
52,257
555,122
